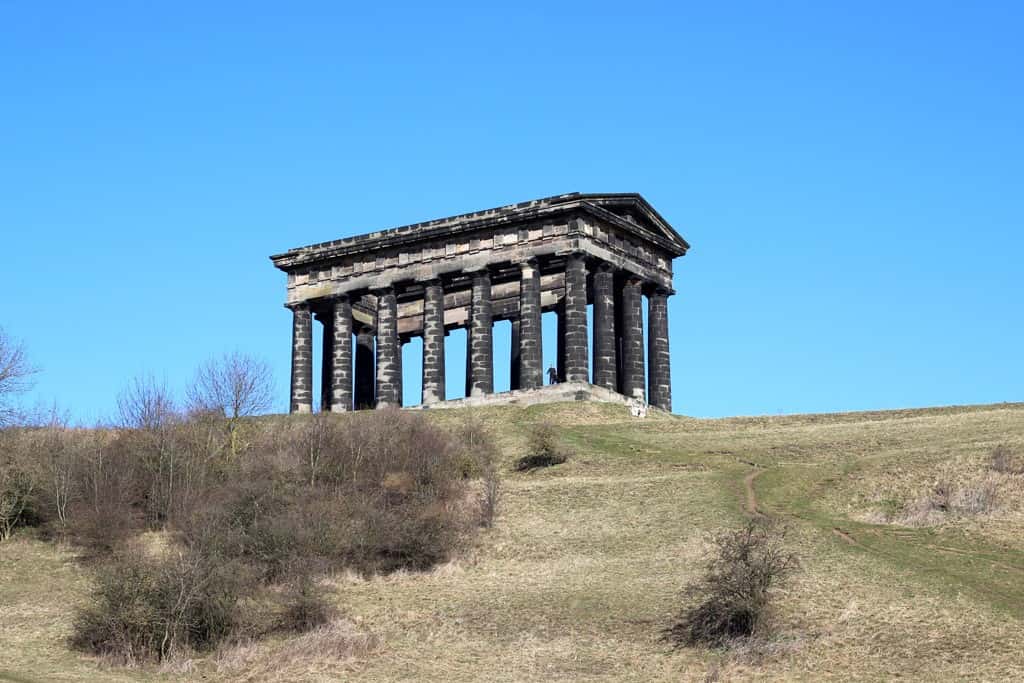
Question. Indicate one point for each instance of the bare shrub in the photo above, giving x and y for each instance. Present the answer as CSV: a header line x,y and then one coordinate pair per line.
x,y
306,605
235,385
479,460
17,493
110,494
730,600
544,449
148,609
1004,461
978,498
946,499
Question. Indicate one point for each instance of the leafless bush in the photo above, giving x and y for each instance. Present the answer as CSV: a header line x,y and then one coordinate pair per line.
x,y
947,499
730,600
306,606
479,460
147,609
17,493
544,449
1004,461
978,498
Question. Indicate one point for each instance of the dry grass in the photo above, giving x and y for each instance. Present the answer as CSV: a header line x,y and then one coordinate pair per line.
x,y
586,561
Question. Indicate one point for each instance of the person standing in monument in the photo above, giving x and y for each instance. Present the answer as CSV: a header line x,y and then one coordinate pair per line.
x,y
552,375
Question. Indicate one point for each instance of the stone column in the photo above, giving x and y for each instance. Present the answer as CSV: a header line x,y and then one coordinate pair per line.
x,y
530,359
302,360
365,373
604,328
513,375
481,339
326,319
560,340
659,380
576,352
389,350
632,339
433,343
341,361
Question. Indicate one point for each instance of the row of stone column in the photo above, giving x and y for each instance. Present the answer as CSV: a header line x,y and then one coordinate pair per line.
x,y
618,342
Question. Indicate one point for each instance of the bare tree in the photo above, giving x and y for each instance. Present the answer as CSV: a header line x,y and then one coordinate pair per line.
x,y
15,376
235,385
147,408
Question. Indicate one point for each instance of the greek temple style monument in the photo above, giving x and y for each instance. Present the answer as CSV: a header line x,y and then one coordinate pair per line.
x,y
374,292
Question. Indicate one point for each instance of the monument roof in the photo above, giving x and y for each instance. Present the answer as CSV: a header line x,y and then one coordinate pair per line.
x,y
629,211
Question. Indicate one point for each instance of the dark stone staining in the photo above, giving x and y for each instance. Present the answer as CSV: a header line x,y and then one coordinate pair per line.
x,y
341,357
659,376
514,363
365,383
481,339
389,351
327,358
576,352
560,340
302,359
605,374
632,333
433,343
510,263
530,360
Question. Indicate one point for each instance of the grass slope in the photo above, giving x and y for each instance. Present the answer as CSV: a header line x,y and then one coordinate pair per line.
x,y
586,561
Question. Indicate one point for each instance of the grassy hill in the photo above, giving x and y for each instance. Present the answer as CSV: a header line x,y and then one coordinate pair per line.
x,y
586,561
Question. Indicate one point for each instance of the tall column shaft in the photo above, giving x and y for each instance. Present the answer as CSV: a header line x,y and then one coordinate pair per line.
x,y
530,360
433,343
389,351
604,328
560,341
513,375
481,337
326,358
365,372
301,400
576,351
632,332
659,376
341,361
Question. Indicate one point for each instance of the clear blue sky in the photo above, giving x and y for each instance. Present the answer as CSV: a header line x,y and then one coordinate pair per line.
x,y
849,174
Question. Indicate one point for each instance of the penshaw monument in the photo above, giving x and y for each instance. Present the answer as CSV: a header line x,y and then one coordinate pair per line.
x,y
372,293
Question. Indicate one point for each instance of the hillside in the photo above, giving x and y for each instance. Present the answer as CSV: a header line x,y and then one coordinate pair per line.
x,y
585,563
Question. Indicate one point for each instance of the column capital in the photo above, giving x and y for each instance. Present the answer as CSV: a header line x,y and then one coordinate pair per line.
x,y
654,289
297,307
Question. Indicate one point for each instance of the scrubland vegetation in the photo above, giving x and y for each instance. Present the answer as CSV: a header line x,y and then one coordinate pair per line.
x,y
398,545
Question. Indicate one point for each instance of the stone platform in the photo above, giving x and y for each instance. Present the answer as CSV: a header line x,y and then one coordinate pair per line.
x,y
550,393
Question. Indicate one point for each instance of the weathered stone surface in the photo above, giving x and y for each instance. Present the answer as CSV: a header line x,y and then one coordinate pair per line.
x,y
481,337
366,374
433,342
514,362
576,353
510,263
604,328
302,359
632,333
389,351
659,375
529,332
341,361
327,357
